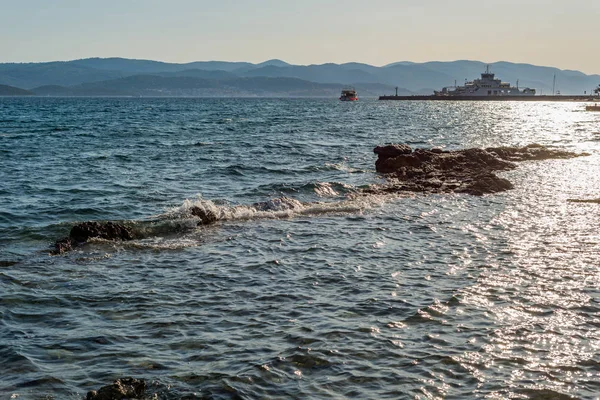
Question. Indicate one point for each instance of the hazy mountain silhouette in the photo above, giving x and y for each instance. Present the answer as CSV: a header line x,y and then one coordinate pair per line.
x,y
30,75
325,73
201,73
6,90
156,85
148,66
94,75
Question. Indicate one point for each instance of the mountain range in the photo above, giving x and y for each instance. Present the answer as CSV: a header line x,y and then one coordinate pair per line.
x,y
128,77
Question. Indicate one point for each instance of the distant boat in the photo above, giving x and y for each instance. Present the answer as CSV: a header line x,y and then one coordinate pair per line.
x,y
349,94
486,86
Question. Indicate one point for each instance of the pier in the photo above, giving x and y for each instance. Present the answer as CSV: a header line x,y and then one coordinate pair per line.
x,y
575,98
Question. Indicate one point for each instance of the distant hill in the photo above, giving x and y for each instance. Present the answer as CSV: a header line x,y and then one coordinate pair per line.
x,y
112,76
156,85
133,67
53,90
6,90
325,73
30,75
201,73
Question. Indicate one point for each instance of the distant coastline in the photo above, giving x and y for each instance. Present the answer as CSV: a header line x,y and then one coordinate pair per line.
x,y
273,78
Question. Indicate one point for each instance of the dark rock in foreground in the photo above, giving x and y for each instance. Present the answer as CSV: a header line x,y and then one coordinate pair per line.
x,y
124,388
85,231
461,171
392,150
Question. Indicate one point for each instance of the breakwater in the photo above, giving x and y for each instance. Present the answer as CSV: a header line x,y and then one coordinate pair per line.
x,y
489,98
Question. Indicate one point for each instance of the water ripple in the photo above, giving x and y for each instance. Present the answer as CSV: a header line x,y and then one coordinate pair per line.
x,y
340,296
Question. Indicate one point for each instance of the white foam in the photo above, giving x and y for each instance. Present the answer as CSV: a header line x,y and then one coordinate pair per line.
x,y
342,167
277,208
160,243
185,210
324,189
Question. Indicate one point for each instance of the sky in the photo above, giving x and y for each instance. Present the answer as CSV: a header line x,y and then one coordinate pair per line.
x,y
558,33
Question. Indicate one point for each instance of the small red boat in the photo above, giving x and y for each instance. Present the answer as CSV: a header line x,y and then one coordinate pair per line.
x,y
349,94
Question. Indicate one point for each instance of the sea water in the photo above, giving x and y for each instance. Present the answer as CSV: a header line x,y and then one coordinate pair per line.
x,y
324,294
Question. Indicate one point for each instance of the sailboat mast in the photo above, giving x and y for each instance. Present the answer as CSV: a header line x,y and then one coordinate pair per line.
x,y
553,84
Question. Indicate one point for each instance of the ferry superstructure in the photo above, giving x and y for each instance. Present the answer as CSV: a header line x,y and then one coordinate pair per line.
x,y
485,86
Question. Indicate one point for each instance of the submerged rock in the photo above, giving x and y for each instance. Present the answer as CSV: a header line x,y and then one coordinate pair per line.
x,y
102,230
461,171
544,394
64,245
206,216
597,201
124,388
85,231
532,151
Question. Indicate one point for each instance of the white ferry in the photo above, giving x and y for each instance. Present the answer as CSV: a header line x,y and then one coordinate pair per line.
x,y
486,86
349,94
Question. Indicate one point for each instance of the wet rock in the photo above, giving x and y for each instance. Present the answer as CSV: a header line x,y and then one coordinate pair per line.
x,y
124,388
102,230
597,201
544,394
532,151
461,171
392,150
85,231
64,245
484,184
206,216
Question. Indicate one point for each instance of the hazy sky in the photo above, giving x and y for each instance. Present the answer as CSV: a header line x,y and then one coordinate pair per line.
x,y
375,32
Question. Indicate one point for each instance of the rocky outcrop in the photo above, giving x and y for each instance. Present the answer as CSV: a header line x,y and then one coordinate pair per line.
x,y
461,171
85,231
124,388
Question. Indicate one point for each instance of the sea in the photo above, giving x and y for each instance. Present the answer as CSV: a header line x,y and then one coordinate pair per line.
x,y
304,288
